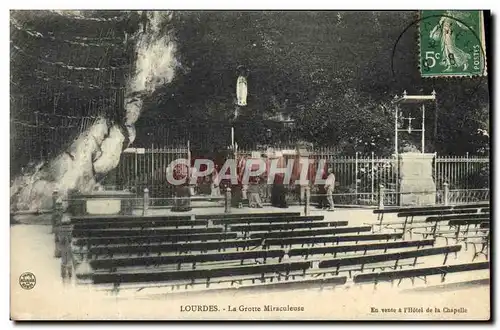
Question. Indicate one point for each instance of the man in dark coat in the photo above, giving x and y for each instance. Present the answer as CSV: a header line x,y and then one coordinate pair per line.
x,y
278,193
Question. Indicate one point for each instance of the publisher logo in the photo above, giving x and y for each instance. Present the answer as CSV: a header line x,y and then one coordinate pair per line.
x,y
27,281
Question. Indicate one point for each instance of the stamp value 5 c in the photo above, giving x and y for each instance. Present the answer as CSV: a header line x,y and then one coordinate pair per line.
x,y
452,43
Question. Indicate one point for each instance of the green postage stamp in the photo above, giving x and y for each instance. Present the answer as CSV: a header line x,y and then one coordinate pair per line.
x,y
452,43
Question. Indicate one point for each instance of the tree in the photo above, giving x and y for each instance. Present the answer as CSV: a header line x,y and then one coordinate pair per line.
x,y
333,72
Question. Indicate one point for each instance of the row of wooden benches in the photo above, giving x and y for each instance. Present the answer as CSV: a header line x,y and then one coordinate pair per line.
x,y
297,222
124,261
163,246
281,226
458,227
92,238
107,226
110,251
478,206
166,235
187,219
431,217
145,221
89,238
167,222
467,224
432,224
145,275
439,211
375,277
136,269
278,230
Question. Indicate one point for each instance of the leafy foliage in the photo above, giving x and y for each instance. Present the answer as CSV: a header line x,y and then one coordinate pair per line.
x,y
333,72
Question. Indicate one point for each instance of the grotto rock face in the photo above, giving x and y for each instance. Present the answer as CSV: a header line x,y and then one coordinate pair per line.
x,y
78,83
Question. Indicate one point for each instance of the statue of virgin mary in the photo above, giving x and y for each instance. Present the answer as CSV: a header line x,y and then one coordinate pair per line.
x,y
241,90
445,33
241,86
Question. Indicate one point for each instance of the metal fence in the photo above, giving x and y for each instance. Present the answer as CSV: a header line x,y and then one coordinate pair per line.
x,y
141,168
464,196
358,177
462,172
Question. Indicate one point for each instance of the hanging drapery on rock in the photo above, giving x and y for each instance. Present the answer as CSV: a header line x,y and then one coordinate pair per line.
x,y
241,90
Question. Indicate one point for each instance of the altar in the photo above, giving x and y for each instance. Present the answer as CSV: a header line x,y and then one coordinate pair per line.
x,y
101,202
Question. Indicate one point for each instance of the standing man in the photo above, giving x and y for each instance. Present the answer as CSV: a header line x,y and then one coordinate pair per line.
x,y
329,187
322,193
215,188
254,193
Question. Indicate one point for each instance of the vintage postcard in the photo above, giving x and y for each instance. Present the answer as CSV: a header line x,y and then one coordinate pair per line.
x,y
249,165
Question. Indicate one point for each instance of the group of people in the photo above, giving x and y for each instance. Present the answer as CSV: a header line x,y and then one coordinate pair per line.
x,y
252,192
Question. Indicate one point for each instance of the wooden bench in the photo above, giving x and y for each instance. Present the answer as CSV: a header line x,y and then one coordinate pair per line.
x,y
435,221
307,283
358,247
142,224
381,212
470,222
437,212
311,232
410,216
147,232
125,218
462,216
287,226
457,232
173,248
480,231
390,276
268,220
391,256
148,239
312,240
323,272
248,215
207,275
111,264
484,241
269,281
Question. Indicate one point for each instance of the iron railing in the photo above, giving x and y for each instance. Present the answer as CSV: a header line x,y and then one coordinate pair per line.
x,y
357,177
